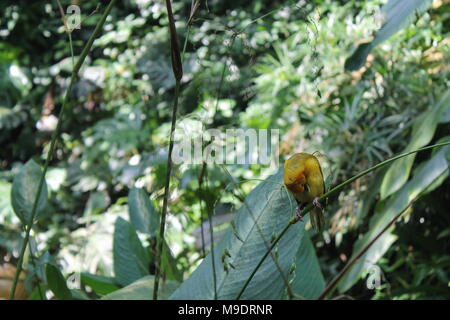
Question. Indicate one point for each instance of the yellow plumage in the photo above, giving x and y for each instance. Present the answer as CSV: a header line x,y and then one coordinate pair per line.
x,y
303,177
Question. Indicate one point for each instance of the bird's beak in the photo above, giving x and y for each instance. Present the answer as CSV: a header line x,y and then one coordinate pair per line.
x,y
306,187
296,187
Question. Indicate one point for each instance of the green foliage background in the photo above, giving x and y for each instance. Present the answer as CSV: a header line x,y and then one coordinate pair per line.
x,y
248,64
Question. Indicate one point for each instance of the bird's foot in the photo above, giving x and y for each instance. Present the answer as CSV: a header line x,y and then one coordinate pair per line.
x,y
298,214
317,204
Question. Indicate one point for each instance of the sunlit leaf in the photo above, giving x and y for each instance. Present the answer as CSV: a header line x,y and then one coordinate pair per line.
x,y
131,260
396,15
422,133
143,216
169,266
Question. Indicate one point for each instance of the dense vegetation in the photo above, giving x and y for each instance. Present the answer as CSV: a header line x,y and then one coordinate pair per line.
x,y
247,64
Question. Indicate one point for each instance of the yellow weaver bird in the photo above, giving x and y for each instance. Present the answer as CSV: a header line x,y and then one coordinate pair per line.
x,y
303,177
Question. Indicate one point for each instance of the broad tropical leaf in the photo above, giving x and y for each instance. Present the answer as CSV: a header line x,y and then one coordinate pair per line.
x,y
269,207
422,133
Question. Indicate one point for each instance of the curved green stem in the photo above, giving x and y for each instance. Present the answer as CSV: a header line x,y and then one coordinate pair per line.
x,y
309,207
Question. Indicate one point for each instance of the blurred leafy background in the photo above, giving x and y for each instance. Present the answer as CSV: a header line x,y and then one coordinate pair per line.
x,y
264,64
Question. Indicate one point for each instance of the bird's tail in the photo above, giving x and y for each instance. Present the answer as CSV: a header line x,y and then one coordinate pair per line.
x,y
317,219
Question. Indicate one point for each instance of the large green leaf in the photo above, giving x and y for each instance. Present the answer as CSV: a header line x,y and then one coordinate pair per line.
x,y
131,260
242,247
143,215
56,282
397,14
142,289
422,133
24,191
424,177
308,281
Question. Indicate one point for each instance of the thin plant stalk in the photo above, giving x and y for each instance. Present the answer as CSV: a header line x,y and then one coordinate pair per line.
x,y
203,177
55,135
211,239
33,262
177,68
160,239
200,182
309,207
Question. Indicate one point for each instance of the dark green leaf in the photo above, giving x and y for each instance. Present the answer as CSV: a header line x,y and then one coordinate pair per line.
x,y
358,58
57,283
24,191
